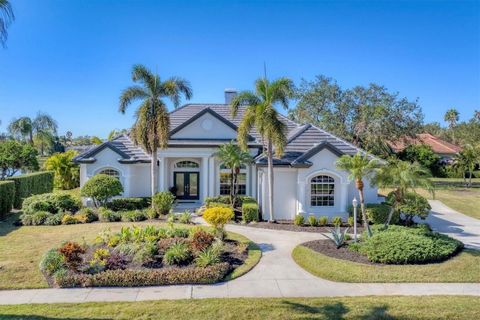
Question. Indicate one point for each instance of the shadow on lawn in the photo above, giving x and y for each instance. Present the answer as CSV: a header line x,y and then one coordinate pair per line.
x,y
33,317
7,225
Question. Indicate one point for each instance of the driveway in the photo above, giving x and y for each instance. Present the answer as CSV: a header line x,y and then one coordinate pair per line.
x,y
455,224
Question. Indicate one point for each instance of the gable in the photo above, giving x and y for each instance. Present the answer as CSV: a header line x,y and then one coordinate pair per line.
x,y
205,126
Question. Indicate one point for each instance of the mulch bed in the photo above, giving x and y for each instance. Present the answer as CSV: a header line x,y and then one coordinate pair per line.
x,y
328,248
289,226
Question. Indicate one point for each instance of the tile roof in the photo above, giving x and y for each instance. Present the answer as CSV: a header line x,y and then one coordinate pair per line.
x,y
438,145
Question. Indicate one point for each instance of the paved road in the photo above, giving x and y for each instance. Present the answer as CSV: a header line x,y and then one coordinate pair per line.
x,y
455,224
276,275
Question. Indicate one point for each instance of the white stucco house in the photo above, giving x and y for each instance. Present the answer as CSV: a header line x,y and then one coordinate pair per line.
x,y
306,179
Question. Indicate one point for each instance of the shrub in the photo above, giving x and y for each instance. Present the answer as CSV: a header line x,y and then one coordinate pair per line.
x,y
339,237
208,257
377,213
116,261
39,217
312,221
67,172
51,202
30,184
218,205
151,213
52,261
299,220
70,219
185,217
163,202
86,215
350,221
402,245
133,216
107,215
101,188
414,205
54,219
201,240
7,196
218,217
337,221
323,220
127,204
146,253
218,199
249,211
177,254
72,252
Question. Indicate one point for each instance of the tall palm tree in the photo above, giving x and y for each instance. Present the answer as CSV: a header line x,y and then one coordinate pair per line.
x,y
452,117
152,126
402,176
262,115
27,128
359,166
233,158
6,18
22,128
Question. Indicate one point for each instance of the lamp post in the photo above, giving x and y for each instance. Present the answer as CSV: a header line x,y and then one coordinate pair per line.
x,y
354,203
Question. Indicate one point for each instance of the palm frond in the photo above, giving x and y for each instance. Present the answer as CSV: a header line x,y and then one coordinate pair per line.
x,y
6,18
281,91
175,87
142,74
129,95
244,98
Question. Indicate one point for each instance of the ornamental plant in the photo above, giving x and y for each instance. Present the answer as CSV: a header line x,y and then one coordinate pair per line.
x,y
218,217
162,202
101,188
414,205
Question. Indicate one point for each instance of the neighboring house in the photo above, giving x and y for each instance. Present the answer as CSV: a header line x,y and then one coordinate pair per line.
x,y
444,149
306,178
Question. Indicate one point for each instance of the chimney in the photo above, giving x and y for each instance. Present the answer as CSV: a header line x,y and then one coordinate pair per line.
x,y
229,95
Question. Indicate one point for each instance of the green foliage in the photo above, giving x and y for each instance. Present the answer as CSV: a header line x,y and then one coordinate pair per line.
x,y
133,215
67,173
414,205
209,256
52,261
323,220
54,219
312,221
70,219
218,205
86,215
51,202
250,212
338,237
163,202
31,184
201,240
377,213
178,254
185,217
350,221
146,253
107,215
7,196
101,188
218,217
124,204
337,221
15,156
423,154
299,220
402,245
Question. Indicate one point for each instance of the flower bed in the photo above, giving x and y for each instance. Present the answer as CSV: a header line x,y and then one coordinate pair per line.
x,y
144,256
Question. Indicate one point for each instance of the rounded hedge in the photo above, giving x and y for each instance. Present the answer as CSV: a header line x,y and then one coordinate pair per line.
x,y
102,188
402,245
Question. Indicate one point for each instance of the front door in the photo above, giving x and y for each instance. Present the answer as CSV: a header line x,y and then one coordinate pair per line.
x,y
187,184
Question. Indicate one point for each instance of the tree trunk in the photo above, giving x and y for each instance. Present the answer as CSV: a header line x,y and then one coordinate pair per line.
x,y
154,173
366,225
270,179
392,209
470,176
232,186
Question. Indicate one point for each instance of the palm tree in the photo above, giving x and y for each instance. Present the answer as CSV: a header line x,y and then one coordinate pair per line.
x,y
151,129
6,18
40,127
402,176
467,159
233,158
22,128
452,116
261,114
359,167
67,173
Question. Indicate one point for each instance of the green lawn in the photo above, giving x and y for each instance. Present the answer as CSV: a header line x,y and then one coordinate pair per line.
x,y
21,249
431,307
461,268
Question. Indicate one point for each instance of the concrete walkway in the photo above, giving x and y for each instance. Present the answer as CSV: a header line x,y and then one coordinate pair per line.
x,y
276,275
455,224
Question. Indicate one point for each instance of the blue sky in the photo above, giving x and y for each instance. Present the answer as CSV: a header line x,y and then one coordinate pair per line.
x,y
71,59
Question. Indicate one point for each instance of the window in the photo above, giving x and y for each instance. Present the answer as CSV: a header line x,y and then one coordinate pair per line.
x,y
322,190
186,164
225,180
111,172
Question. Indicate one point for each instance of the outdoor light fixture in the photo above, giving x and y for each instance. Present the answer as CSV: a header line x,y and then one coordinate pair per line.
x,y
354,203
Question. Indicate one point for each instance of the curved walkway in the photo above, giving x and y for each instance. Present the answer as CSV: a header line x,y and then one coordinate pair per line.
x,y
276,275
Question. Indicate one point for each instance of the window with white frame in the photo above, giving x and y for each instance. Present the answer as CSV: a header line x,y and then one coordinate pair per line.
x,y
322,191
111,172
186,164
225,180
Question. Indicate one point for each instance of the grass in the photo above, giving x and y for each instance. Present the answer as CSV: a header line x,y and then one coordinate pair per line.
x,y
461,268
463,200
431,307
460,180
21,249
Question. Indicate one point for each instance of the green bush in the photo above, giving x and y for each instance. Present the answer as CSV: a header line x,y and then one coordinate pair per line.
x,y
70,219
86,215
107,215
31,184
402,245
377,213
54,219
323,220
52,261
127,204
101,188
7,196
312,221
414,205
177,254
51,202
218,205
299,220
185,217
250,211
133,215
226,201
350,221
208,257
337,221
163,202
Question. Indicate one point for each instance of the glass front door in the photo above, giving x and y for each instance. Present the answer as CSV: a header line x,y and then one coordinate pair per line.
x,y
187,184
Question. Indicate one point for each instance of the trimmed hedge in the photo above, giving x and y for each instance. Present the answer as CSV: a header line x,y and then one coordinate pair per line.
x,y
124,204
377,213
30,184
250,212
7,196
226,200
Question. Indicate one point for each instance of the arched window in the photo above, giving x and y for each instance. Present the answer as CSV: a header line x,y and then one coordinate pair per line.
x,y
322,191
225,180
111,172
186,164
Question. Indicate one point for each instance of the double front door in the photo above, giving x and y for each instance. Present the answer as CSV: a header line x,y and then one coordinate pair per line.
x,y
187,185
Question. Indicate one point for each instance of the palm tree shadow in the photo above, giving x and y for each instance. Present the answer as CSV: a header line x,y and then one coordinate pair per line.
x,y
328,311
380,312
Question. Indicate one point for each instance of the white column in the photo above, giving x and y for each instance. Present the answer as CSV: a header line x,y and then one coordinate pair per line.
x,y
162,172
343,197
253,178
126,177
211,176
301,196
204,178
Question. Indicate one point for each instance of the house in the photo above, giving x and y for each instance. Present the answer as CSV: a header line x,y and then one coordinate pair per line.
x,y
306,178
446,150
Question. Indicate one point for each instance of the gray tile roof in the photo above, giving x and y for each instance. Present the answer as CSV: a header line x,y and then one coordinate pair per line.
x,y
303,140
